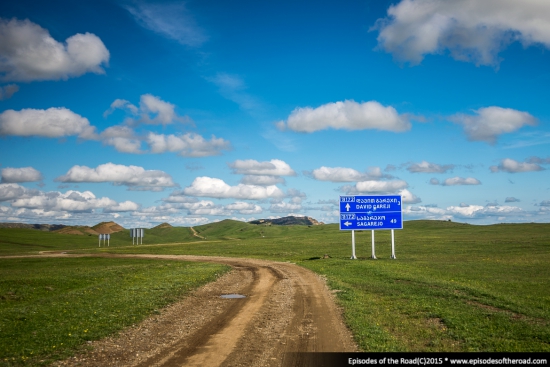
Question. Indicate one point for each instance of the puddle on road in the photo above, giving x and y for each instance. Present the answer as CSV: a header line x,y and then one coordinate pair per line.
x,y
233,295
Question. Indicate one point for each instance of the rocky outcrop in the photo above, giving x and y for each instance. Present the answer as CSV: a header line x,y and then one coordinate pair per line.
x,y
288,221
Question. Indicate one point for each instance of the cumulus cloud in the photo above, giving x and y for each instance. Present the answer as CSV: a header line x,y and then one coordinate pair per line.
x,y
117,174
216,188
408,197
244,208
51,123
375,187
122,138
471,30
489,122
24,174
29,53
511,199
121,104
284,207
7,91
11,191
545,203
512,166
455,181
151,111
170,20
434,181
274,167
343,174
187,145
337,174
126,206
263,180
347,115
478,211
427,167
71,201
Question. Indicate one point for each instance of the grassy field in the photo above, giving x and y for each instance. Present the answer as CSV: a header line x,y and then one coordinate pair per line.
x,y
50,308
453,287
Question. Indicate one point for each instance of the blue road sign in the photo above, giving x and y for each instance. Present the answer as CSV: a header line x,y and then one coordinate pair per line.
x,y
370,212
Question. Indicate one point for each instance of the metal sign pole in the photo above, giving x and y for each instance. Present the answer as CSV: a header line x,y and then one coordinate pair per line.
x,y
99,240
353,257
373,255
108,239
392,245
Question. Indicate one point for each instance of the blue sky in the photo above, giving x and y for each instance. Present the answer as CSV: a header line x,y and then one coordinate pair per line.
x,y
192,112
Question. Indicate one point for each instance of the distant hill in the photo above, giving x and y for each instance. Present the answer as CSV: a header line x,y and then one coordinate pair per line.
x,y
40,227
163,225
103,227
288,221
107,227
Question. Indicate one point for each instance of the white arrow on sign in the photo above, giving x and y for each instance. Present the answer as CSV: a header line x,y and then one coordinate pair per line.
x,y
347,207
347,224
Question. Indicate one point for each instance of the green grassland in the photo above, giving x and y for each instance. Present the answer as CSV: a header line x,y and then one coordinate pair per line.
x,y
453,287
51,307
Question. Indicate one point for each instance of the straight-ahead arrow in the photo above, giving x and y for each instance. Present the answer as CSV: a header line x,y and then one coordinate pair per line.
x,y
347,207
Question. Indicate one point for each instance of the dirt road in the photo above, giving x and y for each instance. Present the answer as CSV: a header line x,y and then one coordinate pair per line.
x,y
286,309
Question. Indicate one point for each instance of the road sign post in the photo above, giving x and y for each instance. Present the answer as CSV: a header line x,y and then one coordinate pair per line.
x,y
376,212
353,257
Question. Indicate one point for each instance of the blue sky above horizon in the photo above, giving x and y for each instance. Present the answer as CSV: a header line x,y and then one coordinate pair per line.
x,y
192,112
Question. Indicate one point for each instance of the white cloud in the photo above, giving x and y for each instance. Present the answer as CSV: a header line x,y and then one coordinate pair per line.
x,y
284,207
245,208
471,30
131,176
478,211
179,197
455,181
71,201
216,188
434,181
512,166
375,187
51,123
408,197
156,111
171,20
29,53
275,167
262,180
545,203
121,104
122,138
343,174
24,174
511,200
126,206
187,145
337,174
490,122
347,115
7,91
151,111
427,167
12,191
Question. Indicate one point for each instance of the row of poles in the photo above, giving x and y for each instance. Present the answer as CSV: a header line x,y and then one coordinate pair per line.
x,y
373,255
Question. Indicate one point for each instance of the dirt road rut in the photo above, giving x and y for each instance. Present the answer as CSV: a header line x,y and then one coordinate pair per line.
x,y
286,309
